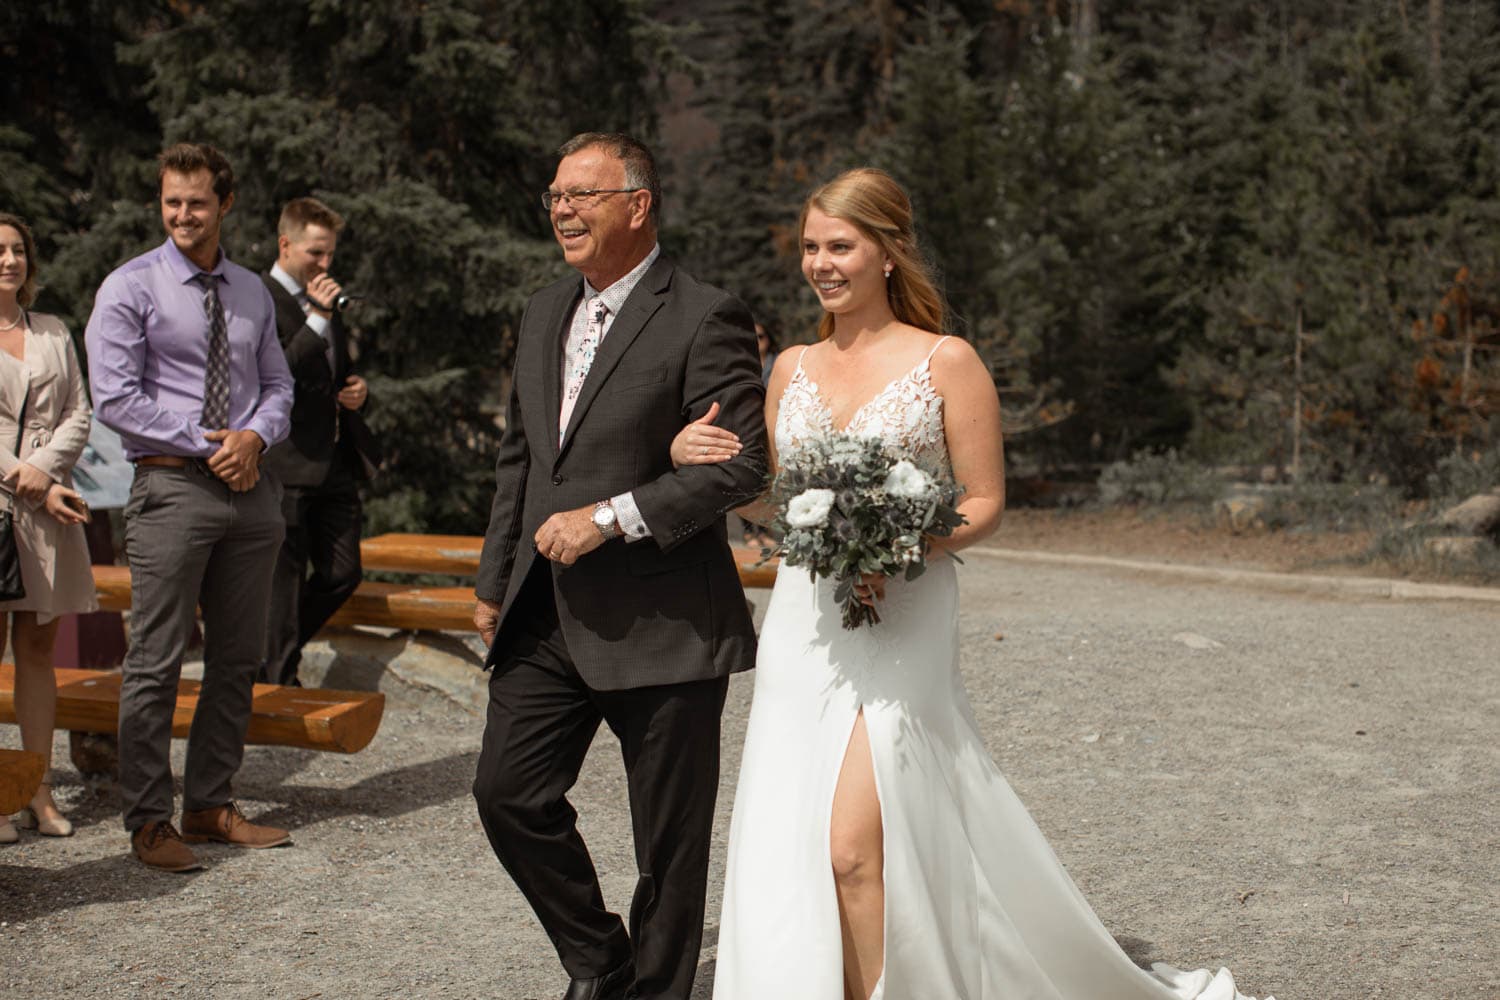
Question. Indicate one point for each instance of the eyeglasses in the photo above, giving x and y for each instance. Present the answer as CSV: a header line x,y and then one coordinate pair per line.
x,y
581,199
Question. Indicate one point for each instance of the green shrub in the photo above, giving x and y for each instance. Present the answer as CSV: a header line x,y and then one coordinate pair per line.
x,y
1158,478
1332,507
1459,477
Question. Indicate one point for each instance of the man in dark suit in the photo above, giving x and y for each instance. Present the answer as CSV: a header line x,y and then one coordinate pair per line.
x,y
606,588
329,451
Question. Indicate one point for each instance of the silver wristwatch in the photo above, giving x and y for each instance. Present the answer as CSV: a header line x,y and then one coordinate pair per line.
x,y
605,520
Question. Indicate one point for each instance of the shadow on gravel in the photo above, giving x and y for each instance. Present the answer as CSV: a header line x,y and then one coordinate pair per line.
x,y
380,796
1141,952
30,893
27,893
96,806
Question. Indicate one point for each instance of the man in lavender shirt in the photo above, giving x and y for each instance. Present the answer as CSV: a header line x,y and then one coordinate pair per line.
x,y
203,524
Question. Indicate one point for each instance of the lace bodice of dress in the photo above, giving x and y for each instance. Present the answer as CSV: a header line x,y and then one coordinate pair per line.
x,y
908,413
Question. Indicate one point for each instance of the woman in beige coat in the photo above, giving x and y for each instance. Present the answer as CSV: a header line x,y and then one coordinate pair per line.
x,y
39,369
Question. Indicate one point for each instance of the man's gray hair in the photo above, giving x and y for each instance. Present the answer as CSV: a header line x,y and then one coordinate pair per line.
x,y
640,165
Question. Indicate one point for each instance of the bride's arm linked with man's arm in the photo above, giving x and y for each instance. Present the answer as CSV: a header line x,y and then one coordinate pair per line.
x,y
718,384
706,441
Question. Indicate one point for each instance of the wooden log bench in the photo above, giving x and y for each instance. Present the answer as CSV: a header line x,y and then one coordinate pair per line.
x,y
400,606
389,605
459,555
343,721
21,774
88,701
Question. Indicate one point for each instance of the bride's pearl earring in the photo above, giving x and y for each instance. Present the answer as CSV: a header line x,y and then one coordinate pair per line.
x,y
887,274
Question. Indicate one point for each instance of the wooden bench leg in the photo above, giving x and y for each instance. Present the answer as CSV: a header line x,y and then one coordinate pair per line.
x,y
21,774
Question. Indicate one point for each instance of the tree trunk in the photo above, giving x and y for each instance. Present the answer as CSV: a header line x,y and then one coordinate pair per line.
x,y
1085,23
1435,42
1465,379
1297,401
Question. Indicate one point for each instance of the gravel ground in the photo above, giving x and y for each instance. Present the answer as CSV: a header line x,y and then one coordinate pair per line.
x,y
1300,788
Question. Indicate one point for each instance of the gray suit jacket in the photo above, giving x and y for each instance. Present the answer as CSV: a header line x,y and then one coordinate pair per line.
x,y
668,609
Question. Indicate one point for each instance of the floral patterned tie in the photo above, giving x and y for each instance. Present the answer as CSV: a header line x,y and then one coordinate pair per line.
x,y
578,362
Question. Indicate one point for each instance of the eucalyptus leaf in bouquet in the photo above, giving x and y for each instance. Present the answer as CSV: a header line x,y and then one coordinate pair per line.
x,y
847,505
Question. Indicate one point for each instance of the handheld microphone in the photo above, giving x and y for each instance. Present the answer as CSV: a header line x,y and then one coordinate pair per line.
x,y
346,300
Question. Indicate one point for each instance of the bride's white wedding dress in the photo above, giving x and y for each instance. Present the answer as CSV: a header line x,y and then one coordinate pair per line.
x,y
977,905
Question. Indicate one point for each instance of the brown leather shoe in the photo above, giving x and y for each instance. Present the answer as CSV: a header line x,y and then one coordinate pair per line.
x,y
227,825
159,845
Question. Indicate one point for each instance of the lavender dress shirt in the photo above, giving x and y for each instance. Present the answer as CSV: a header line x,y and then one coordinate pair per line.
x,y
148,348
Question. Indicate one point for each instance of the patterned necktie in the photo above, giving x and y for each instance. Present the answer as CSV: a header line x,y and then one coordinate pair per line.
x,y
216,368
580,358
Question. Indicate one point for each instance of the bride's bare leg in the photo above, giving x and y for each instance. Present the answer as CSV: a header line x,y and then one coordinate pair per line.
x,y
858,848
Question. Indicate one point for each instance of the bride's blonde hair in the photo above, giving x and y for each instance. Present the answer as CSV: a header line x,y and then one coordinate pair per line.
x,y
876,205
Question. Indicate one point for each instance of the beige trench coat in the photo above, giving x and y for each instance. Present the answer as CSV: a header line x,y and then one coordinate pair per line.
x,y
55,563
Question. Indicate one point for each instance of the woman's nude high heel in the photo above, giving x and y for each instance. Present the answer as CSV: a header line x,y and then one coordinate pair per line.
x,y
28,819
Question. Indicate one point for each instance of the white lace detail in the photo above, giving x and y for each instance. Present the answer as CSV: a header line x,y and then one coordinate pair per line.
x,y
908,413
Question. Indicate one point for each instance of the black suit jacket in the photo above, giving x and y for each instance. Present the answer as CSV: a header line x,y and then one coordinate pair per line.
x,y
670,608
322,430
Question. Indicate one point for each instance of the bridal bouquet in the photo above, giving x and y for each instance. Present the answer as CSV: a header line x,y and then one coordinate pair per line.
x,y
848,505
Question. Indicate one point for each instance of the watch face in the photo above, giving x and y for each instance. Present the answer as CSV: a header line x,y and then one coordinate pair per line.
x,y
604,516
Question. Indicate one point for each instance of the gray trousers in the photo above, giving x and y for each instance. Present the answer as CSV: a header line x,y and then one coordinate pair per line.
x,y
192,541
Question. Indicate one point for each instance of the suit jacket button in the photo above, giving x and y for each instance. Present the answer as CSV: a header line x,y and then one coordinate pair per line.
x,y
557,480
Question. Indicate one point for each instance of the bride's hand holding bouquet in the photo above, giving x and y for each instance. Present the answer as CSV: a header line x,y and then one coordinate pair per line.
x,y
853,510
847,507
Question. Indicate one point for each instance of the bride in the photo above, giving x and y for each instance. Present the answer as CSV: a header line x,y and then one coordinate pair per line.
x,y
875,850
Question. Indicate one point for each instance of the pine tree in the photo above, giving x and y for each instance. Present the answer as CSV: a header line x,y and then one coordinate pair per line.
x,y
795,94
75,131
1075,271
740,193
1258,380
942,143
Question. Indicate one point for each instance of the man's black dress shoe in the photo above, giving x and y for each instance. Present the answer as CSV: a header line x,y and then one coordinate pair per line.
x,y
610,986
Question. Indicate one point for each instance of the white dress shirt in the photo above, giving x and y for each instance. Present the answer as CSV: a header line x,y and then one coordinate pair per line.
x,y
626,512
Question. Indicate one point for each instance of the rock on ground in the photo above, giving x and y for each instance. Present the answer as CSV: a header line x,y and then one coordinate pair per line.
x,y
1479,516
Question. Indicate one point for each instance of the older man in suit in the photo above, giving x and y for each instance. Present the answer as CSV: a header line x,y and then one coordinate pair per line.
x,y
606,588
329,451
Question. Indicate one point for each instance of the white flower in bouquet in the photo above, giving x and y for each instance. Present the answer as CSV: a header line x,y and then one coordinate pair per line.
x,y
809,509
909,549
906,480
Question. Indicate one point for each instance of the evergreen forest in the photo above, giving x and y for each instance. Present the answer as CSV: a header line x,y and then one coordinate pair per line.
x,y
1259,234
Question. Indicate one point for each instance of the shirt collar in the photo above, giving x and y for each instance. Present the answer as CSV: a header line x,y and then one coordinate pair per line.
x,y
286,280
184,269
615,295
